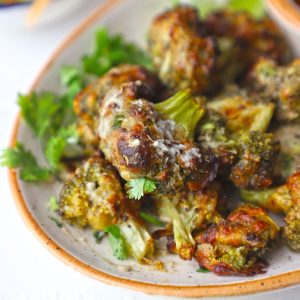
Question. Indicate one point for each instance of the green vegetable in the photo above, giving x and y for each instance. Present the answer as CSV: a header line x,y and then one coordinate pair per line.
x,y
152,219
98,235
110,51
184,110
138,187
53,204
202,270
254,7
116,241
23,160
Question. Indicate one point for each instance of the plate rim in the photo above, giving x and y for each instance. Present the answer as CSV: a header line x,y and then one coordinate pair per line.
x,y
284,280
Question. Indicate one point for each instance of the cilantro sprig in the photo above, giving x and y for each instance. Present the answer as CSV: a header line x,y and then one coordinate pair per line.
x,y
116,241
19,158
140,186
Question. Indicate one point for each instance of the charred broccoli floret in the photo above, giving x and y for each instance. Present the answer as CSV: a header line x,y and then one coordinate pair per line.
x,y
94,197
213,135
142,142
183,57
253,165
257,155
86,103
242,40
279,84
185,212
234,246
242,115
284,199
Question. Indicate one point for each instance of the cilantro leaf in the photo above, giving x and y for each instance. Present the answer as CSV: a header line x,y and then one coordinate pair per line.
x,y
53,204
138,187
110,51
19,158
57,223
202,270
152,219
116,242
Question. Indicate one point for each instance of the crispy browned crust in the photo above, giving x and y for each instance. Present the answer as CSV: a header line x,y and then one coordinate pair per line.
x,y
248,229
86,103
183,57
253,38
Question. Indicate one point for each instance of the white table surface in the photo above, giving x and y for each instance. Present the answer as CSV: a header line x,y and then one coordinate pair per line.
x,y
27,269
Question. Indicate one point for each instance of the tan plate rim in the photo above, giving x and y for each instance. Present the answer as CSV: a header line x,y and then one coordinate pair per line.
x,y
247,287
288,9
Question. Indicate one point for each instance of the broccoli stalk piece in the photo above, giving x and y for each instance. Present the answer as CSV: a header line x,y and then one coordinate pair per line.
x,y
284,199
185,212
94,197
184,109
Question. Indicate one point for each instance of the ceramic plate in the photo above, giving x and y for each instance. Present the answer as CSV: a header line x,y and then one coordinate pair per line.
x,y
77,247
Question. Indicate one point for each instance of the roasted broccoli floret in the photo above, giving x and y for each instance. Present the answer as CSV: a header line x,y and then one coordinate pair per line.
x,y
255,164
142,142
280,85
184,212
183,57
289,157
284,199
86,103
213,135
242,40
94,197
234,246
242,115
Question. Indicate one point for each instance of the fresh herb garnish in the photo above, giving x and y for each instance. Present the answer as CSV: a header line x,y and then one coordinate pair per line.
x,y
202,270
23,160
138,187
57,223
98,235
116,241
53,204
110,51
152,219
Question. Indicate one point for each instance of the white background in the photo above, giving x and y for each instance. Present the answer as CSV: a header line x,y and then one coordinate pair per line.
x,y
27,269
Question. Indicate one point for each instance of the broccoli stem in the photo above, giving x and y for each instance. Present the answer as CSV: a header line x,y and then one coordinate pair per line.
x,y
277,200
184,110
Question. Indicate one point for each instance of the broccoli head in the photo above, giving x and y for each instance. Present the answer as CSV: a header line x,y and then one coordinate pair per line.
x,y
241,113
183,57
285,199
184,212
242,40
143,140
86,103
257,155
234,246
280,85
213,135
94,197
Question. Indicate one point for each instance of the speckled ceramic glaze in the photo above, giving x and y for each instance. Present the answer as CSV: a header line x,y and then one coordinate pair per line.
x,y
77,247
